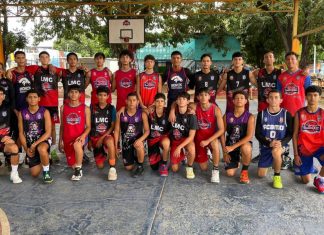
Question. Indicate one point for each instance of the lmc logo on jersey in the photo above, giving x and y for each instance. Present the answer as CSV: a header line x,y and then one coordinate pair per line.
x,y
311,127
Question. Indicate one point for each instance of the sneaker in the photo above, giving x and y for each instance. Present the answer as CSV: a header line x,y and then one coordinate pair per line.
x,y
277,181
22,157
190,173
163,170
47,177
215,176
112,174
77,174
286,163
244,177
54,156
138,171
319,184
14,177
256,159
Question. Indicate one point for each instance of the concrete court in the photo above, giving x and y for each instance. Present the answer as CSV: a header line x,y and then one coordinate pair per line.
x,y
154,205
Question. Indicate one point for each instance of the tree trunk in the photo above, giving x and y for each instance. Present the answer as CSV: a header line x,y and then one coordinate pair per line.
x,y
283,35
305,52
4,30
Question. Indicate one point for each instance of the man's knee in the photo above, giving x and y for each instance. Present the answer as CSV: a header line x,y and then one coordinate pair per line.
x,y
42,148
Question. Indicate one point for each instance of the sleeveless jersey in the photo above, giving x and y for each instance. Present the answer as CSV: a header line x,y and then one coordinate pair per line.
x,y
99,78
22,83
158,125
207,123
9,92
125,84
236,82
311,131
47,86
76,78
101,119
74,120
177,82
266,82
209,80
149,84
131,127
33,124
5,114
236,127
293,92
182,125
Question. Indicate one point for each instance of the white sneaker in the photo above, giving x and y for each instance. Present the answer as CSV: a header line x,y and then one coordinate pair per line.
x,y
21,157
112,174
14,177
77,174
215,176
190,173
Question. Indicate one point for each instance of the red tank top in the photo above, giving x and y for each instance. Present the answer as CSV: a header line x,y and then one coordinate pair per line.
x,y
125,84
99,78
149,84
293,92
74,120
311,131
207,122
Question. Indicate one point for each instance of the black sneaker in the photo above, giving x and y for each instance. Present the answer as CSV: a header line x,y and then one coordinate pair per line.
x,y
77,174
286,163
256,159
47,177
138,171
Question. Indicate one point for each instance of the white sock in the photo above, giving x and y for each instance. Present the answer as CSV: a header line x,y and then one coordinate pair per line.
x,y
14,169
46,168
76,166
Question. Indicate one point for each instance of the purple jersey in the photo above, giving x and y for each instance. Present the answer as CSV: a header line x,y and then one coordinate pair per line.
x,y
236,127
131,127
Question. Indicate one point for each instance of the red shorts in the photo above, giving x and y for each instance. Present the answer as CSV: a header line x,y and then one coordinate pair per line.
x,y
174,144
154,146
100,154
69,153
201,153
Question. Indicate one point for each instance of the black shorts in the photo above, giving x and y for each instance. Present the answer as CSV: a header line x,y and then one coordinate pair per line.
x,y
14,126
235,158
54,114
129,153
34,161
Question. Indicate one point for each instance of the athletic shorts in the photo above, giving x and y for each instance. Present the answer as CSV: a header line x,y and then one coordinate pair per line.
x,y
129,153
174,144
201,152
54,114
14,126
69,151
266,158
100,154
154,149
235,158
35,161
307,162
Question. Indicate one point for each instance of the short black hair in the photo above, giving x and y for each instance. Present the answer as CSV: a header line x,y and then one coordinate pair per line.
x,y
72,54
237,54
149,57
312,89
3,90
100,54
206,55
291,53
43,53
103,89
184,94
203,90
132,94
74,87
275,91
159,96
19,53
176,53
240,93
126,52
32,91
268,51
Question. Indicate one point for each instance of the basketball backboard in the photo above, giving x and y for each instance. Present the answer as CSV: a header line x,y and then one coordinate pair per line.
x,y
126,31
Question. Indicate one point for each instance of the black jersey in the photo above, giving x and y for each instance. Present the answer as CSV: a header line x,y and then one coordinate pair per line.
x,y
22,82
131,127
266,82
76,78
236,127
206,80
5,114
9,91
101,119
182,125
158,125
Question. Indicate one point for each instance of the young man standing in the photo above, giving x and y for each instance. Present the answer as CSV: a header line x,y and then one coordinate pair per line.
x,y
34,125
237,79
148,83
7,145
103,117
75,127
158,138
239,126
274,129
130,125
124,79
182,136
99,76
308,138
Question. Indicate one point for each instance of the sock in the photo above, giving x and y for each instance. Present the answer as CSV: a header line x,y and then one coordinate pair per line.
x,y
46,168
245,167
14,169
215,168
277,174
112,162
164,162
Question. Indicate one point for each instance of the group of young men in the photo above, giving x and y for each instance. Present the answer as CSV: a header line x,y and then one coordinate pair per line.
x,y
176,130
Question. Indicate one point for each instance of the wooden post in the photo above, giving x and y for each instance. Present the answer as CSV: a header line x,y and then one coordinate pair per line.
x,y
2,57
295,46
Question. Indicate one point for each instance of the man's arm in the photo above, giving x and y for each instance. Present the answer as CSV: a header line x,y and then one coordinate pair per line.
x,y
113,83
297,159
138,91
146,128
222,139
222,83
252,78
61,130
22,137
88,78
160,84
258,132
117,130
290,129
88,123
191,77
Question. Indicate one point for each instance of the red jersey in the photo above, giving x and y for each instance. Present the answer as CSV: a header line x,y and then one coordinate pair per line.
x,y
99,78
149,85
207,123
292,87
125,84
311,131
74,120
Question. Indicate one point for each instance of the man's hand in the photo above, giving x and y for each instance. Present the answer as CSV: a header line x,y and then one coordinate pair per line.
x,y
226,157
229,149
30,152
177,152
204,143
61,146
297,160
80,139
7,140
172,116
